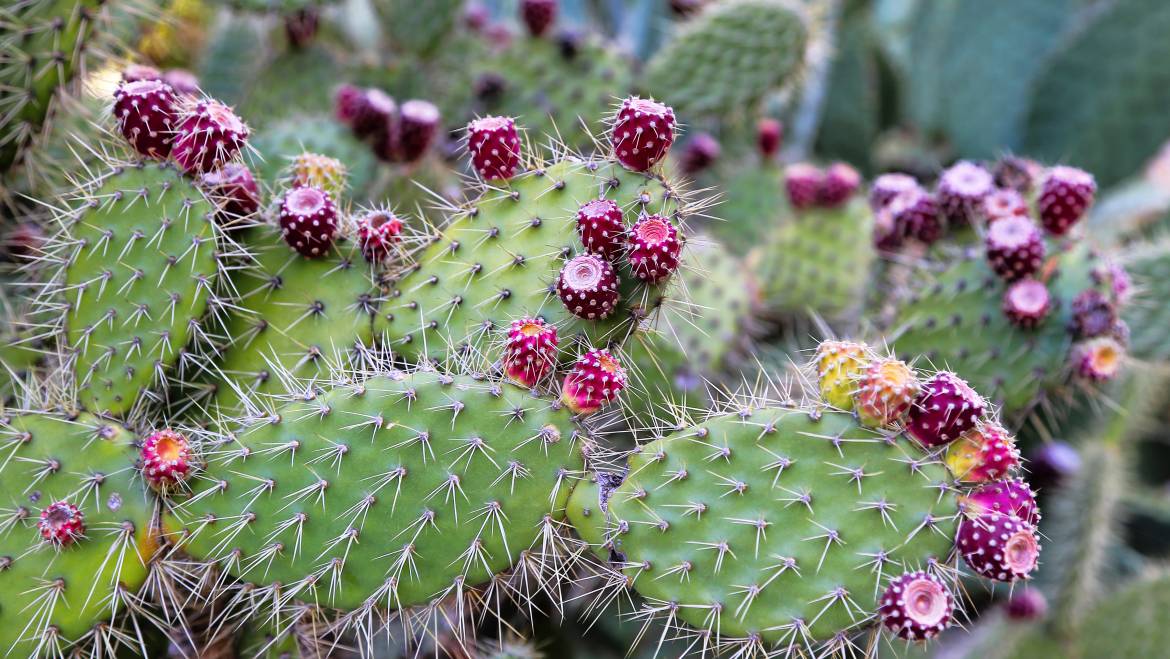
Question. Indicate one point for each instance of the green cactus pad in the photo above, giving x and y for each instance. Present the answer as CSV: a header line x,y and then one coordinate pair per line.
x,y
751,207
308,76
711,517
418,28
498,260
954,319
388,490
52,597
1148,316
140,263
821,260
293,316
1129,622
555,92
729,57
281,141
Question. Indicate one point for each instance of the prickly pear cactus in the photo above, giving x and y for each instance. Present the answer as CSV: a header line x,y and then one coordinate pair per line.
x,y
751,208
138,264
77,535
498,260
308,76
730,56
417,29
1148,318
394,490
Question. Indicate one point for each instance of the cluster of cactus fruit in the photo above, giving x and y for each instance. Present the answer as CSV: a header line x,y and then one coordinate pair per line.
x,y
395,134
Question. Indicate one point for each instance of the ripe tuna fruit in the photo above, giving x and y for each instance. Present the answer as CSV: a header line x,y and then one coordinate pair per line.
x,y
803,183
145,111
1065,196
916,216
1011,497
495,147
1026,303
166,459
887,186
600,226
653,246
642,133
998,546
769,134
207,136
594,382
946,408
531,352
838,185
418,124
916,606
1015,247
982,454
234,187
538,15
961,191
588,287
308,220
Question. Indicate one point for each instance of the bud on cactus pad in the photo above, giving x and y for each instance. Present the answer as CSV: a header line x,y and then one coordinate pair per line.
x,y
588,287
839,184
1065,196
377,232
840,365
396,489
982,454
946,408
803,183
999,546
77,536
1015,247
769,134
494,145
1027,605
642,133
595,381
308,221
145,111
775,522
236,190
531,353
962,190
653,246
887,186
601,228
916,606
538,15
207,135
166,458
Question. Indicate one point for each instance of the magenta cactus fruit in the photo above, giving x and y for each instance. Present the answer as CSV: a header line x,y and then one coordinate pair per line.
x,y
653,246
1026,303
1015,247
887,186
984,453
531,352
136,72
377,233
166,459
595,381
374,115
1092,314
538,15
495,147
1027,605
418,124
840,182
1004,203
916,606
300,26
308,220
234,187
1010,497
1114,275
916,216
145,112
588,287
61,524
183,82
946,408
601,228
642,133
769,135
207,136
998,546
347,103
1098,359
1065,196
961,191
700,153
803,182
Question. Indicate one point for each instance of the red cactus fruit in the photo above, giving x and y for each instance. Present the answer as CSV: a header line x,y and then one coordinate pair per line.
x,y
653,245
885,392
840,182
916,606
1015,173
347,102
374,115
1053,463
642,133
887,186
300,26
1027,605
145,112
61,524
495,147
961,191
166,458
24,241
308,220
1099,359
418,124
182,81
476,15
377,232
984,453
946,408
1092,314
886,236
1009,497
1004,203
1113,275
588,287
1067,192
916,216
136,72
235,189
700,153
1026,303
769,135
208,135
803,182
538,15
600,225
999,546
594,381
531,353
1015,247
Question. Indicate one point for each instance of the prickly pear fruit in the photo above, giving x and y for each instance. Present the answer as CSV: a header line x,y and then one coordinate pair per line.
x,y
145,112
700,153
769,134
236,189
916,606
653,245
418,124
999,546
803,182
916,216
840,365
318,171
1098,359
308,221
838,185
887,186
1011,497
946,408
538,15
531,353
166,458
595,381
377,233
1026,303
602,229
885,391
494,145
984,453
61,524
588,287
1015,247
643,131
1004,203
962,190
207,135
1027,605
1065,195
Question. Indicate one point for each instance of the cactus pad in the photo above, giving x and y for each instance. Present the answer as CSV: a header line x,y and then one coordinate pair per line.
x,y
282,141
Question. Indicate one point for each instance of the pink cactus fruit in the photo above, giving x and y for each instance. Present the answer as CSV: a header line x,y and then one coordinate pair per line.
x,y
588,287
531,352
642,133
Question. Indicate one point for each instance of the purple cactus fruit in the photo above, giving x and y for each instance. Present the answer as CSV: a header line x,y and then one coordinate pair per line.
x,y
1053,463
1065,196
1026,303
588,287
1113,275
595,381
418,124
916,606
234,187
347,102
769,135
653,245
961,191
374,116
538,15
1027,605
145,111
1098,359
61,524
308,220
803,183
183,82
377,233
684,8
887,186
1015,247
1004,203
916,216
1011,497
642,133
998,546
494,145
1015,173
476,16
946,408
300,26
207,136
886,236
700,153
136,72
600,226
838,185
1092,314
